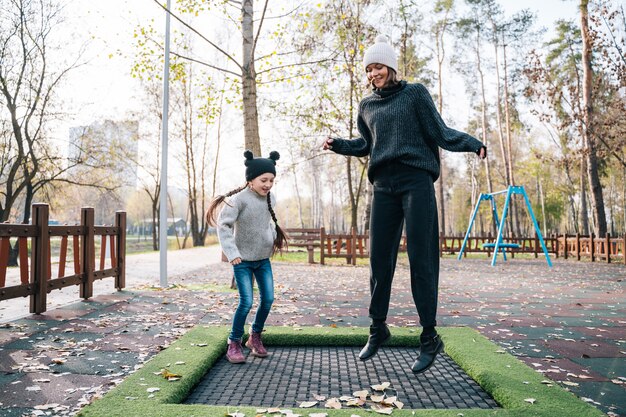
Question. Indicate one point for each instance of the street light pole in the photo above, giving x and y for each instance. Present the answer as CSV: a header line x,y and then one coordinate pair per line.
x,y
164,138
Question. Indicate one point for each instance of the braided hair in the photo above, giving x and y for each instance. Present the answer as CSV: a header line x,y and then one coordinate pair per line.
x,y
281,238
280,241
217,202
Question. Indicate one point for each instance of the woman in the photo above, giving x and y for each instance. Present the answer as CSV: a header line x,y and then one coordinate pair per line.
x,y
401,130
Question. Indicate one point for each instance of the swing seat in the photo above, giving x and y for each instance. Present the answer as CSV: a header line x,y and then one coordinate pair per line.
x,y
502,245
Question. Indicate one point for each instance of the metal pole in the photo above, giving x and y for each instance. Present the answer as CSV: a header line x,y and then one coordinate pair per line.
x,y
164,137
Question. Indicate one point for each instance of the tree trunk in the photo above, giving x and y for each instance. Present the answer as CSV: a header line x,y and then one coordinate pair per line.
x,y
515,215
441,181
248,81
368,206
298,199
503,150
155,218
584,212
441,52
483,118
595,186
354,203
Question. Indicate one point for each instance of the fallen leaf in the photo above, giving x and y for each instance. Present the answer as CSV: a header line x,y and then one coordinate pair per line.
x,y
377,398
307,404
151,390
381,409
389,400
381,387
333,403
165,373
361,394
355,402
530,400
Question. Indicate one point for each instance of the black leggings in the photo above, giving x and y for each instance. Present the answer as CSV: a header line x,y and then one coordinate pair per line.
x,y
404,194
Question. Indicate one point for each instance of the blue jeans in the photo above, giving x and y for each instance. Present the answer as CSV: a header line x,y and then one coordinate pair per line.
x,y
244,272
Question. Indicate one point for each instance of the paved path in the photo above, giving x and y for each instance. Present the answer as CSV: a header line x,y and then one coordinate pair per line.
x,y
568,322
141,270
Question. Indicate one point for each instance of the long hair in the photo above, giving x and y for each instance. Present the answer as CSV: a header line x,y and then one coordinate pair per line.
x,y
217,202
281,238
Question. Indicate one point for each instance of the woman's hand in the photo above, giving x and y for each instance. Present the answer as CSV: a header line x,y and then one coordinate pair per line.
x,y
328,144
482,153
235,261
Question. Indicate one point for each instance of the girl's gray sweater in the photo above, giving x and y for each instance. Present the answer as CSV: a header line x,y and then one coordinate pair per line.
x,y
245,227
403,127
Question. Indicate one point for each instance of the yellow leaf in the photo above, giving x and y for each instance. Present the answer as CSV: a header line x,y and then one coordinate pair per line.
x,y
167,374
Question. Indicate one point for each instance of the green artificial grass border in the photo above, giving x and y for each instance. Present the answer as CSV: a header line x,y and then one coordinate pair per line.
x,y
509,381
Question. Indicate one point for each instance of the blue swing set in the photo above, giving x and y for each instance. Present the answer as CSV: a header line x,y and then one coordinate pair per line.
x,y
499,245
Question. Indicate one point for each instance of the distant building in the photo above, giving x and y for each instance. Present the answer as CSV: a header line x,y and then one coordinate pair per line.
x,y
175,226
112,146
104,154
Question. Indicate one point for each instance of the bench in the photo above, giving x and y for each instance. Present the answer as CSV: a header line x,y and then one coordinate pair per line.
x,y
304,238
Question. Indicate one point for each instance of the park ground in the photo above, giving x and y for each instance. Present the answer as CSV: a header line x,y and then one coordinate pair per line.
x,y
567,322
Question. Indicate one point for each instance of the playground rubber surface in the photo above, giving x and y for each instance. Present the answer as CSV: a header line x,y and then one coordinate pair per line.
x,y
567,322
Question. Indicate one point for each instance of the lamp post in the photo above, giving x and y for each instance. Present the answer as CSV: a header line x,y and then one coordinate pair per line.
x,y
164,137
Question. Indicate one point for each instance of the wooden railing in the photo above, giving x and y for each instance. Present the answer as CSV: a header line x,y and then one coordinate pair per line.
x,y
304,238
592,248
348,246
351,246
35,277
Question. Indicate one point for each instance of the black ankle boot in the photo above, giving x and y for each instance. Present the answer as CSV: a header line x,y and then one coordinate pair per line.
x,y
429,348
379,334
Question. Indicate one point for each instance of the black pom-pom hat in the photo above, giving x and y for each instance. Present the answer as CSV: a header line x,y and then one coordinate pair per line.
x,y
259,166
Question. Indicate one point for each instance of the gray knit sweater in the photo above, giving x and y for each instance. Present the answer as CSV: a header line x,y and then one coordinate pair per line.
x,y
403,127
245,227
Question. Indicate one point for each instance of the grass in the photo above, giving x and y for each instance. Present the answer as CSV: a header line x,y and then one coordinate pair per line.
x,y
302,257
510,382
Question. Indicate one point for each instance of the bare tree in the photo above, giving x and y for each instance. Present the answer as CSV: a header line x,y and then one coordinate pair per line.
x,y
588,133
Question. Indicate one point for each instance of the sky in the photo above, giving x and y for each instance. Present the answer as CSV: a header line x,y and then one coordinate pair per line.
x,y
103,87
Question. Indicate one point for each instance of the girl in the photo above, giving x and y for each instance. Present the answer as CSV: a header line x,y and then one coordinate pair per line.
x,y
248,239
402,131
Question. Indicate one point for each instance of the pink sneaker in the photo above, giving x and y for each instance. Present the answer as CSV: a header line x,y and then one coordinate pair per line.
x,y
235,352
255,344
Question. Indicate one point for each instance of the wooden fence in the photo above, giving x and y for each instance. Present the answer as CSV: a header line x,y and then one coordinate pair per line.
x,y
36,278
351,246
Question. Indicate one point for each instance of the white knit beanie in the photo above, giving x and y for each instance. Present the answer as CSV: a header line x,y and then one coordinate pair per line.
x,y
381,53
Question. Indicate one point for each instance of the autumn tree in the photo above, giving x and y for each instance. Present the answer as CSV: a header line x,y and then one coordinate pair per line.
x,y
332,35
443,15
588,123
